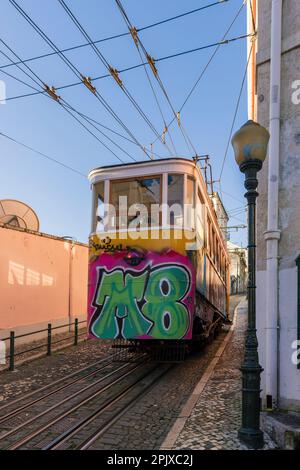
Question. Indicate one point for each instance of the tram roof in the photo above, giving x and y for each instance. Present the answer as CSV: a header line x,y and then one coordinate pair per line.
x,y
142,163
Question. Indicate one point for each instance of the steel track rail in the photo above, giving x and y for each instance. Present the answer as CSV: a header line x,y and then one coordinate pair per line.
x,y
61,416
57,442
13,413
90,441
45,387
56,405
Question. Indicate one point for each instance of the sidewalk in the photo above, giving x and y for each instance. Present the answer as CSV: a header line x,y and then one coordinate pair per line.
x,y
214,420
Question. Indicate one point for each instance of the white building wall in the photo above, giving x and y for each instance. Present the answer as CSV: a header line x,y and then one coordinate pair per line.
x,y
289,196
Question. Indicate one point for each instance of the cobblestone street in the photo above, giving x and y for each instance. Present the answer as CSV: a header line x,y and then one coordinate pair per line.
x,y
213,415
216,418
43,371
147,424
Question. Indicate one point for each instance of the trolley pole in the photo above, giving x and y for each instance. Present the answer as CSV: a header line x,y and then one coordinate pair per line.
x,y
250,146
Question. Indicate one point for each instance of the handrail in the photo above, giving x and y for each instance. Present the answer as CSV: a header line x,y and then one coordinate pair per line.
x,y
48,344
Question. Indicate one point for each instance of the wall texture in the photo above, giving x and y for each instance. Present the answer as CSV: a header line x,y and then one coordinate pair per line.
x,y
42,279
289,194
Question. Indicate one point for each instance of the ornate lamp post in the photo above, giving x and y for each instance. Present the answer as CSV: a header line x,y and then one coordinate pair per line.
x,y
250,147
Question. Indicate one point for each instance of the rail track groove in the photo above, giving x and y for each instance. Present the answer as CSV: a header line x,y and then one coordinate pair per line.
x,y
90,405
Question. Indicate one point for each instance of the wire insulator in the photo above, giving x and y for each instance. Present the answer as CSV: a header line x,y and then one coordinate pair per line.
x,y
134,33
164,134
151,62
115,74
87,81
51,92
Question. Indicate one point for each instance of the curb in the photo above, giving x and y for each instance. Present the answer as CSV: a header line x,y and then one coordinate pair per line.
x,y
195,395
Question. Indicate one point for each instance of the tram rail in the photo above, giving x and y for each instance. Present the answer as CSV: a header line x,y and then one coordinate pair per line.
x,y
22,438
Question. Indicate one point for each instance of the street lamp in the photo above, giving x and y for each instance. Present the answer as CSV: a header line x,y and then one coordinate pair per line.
x,y
250,144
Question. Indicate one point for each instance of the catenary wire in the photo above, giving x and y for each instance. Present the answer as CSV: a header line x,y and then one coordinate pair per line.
x,y
236,112
64,106
92,120
41,56
140,44
217,46
108,67
75,70
70,85
54,160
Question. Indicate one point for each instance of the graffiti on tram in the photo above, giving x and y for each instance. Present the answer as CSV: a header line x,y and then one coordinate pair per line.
x,y
154,300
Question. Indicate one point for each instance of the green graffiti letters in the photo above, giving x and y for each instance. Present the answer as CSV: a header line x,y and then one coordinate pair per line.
x,y
119,294
149,302
165,289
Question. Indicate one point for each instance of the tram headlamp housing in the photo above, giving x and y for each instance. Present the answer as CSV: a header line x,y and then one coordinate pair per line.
x,y
134,257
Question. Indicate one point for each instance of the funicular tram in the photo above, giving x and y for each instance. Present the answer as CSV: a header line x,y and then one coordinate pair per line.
x,y
158,264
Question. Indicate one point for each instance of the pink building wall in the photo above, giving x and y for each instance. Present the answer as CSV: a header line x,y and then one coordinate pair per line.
x,y
42,279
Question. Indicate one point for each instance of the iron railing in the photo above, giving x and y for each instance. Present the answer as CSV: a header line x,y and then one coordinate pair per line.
x,y
48,344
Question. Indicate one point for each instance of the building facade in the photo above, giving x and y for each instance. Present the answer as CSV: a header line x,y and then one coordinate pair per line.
x,y
221,213
43,280
238,268
274,102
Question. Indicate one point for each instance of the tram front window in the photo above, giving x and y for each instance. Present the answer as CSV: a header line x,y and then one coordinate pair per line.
x,y
136,202
99,213
175,200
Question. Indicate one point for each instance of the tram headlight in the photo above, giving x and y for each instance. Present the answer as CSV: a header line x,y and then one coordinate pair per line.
x,y
134,257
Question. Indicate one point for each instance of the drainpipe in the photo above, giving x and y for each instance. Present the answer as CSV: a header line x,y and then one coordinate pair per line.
x,y
272,235
70,283
251,28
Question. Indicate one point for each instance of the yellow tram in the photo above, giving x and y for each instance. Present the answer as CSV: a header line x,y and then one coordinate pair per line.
x,y
158,265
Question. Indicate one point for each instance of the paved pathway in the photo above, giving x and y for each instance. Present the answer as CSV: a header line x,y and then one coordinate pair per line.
x,y
216,417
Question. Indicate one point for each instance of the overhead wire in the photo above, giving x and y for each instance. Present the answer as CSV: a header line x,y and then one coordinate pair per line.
x,y
54,160
75,70
151,61
235,112
94,79
89,118
41,56
112,71
166,129
217,46
61,102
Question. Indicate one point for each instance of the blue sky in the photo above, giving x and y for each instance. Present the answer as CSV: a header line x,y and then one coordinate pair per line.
x,y
62,198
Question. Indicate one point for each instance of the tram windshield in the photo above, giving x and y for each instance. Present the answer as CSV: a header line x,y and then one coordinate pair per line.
x,y
98,220
175,200
136,201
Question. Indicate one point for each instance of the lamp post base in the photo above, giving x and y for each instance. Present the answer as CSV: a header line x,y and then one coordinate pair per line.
x,y
253,439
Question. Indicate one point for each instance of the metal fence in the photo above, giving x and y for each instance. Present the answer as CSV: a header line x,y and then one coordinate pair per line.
x,y
48,344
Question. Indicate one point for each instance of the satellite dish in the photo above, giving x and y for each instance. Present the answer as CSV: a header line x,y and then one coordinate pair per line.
x,y
17,214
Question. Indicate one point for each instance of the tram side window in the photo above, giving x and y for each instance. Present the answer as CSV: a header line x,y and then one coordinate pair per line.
x,y
213,246
200,219
190,201
208,236
98,216
136,202
175,200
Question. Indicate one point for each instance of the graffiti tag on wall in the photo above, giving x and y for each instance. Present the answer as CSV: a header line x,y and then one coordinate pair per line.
x,y
154,300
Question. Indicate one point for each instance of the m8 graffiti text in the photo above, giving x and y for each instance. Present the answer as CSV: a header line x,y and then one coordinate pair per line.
x,y
152,302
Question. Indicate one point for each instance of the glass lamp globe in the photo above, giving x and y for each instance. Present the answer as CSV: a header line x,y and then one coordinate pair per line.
x,y
250,142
